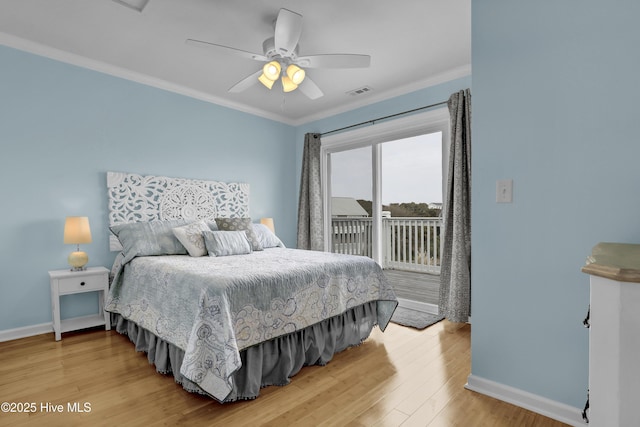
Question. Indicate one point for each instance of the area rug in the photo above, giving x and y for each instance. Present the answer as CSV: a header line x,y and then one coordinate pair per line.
x,y
413,318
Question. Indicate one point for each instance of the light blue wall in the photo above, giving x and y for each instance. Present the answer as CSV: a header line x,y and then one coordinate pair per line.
x,y
63,127
555,108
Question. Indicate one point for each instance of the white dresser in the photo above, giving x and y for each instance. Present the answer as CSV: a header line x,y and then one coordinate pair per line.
x,y
614,335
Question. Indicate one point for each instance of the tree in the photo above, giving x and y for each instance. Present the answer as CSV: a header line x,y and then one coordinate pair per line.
x,y
410,209
367,205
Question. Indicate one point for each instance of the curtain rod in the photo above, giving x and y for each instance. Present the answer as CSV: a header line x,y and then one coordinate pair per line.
x,y
373,121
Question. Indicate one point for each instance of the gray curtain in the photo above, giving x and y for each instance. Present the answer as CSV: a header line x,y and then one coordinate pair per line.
x,y
455,274
310,225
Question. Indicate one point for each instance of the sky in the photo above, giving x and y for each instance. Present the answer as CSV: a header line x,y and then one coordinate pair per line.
x,y
411,171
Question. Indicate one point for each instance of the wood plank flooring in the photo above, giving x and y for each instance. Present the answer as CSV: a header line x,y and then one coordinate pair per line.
x,y
403,377
421,287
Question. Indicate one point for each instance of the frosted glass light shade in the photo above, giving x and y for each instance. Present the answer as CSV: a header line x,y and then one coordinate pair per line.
x,y
271,70
265,81
295,73
287,84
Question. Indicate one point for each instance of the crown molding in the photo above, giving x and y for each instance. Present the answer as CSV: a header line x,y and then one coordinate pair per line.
x,y
112,70
452,74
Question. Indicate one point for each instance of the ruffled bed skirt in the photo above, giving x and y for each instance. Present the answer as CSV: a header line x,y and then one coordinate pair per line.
x,y
272,362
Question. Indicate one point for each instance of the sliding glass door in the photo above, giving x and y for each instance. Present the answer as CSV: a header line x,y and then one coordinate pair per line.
x,y
351,202
411,177
381,183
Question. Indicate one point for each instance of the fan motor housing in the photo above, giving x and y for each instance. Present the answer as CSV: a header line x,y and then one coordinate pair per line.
x,y
270,51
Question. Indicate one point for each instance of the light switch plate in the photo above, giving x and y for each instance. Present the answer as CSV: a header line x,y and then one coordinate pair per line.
x,y
504,191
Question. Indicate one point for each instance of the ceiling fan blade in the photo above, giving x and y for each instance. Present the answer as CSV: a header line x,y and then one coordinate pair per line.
x,y
287,33
334,61
310,89
246,83
220,48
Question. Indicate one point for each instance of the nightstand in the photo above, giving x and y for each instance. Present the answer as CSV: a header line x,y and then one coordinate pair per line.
x,y
66,282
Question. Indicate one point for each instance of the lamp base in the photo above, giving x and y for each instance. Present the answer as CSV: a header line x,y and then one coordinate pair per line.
x,y
78,260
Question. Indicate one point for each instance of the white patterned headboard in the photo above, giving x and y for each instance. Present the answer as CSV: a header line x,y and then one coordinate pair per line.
x,y
136,198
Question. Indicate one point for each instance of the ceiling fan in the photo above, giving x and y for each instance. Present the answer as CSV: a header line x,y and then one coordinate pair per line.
x,y
280,54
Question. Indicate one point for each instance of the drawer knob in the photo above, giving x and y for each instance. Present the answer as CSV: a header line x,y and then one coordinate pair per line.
x,y
81,283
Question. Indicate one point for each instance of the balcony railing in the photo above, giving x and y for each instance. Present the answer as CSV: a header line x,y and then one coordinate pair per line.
x,y
411,244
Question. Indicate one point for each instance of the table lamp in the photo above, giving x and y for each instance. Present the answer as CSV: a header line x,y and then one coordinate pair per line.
x,y
269,223
76,231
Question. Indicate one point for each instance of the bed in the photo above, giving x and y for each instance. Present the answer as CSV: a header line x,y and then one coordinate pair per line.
x,y
218,300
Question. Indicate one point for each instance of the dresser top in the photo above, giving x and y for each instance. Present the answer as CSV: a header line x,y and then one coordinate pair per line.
x,y
615,261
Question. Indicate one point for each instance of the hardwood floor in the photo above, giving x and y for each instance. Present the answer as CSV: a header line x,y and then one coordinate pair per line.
x,y
403,377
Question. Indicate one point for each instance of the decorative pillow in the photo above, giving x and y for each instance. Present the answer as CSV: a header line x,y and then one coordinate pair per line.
x,y
224,243
240,224
190,236
149,238
266,237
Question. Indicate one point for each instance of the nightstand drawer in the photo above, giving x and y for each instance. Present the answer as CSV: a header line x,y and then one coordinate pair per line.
x,y
70,285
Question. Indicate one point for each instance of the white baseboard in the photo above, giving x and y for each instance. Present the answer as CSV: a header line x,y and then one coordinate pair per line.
x,y
418,306
541,405
25,331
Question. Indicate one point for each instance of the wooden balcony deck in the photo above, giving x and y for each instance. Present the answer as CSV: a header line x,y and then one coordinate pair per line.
x,y
410,285
411,253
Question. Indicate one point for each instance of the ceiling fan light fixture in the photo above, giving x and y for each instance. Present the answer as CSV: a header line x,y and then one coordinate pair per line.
x,y
271,70
287,84
266,81
295,73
